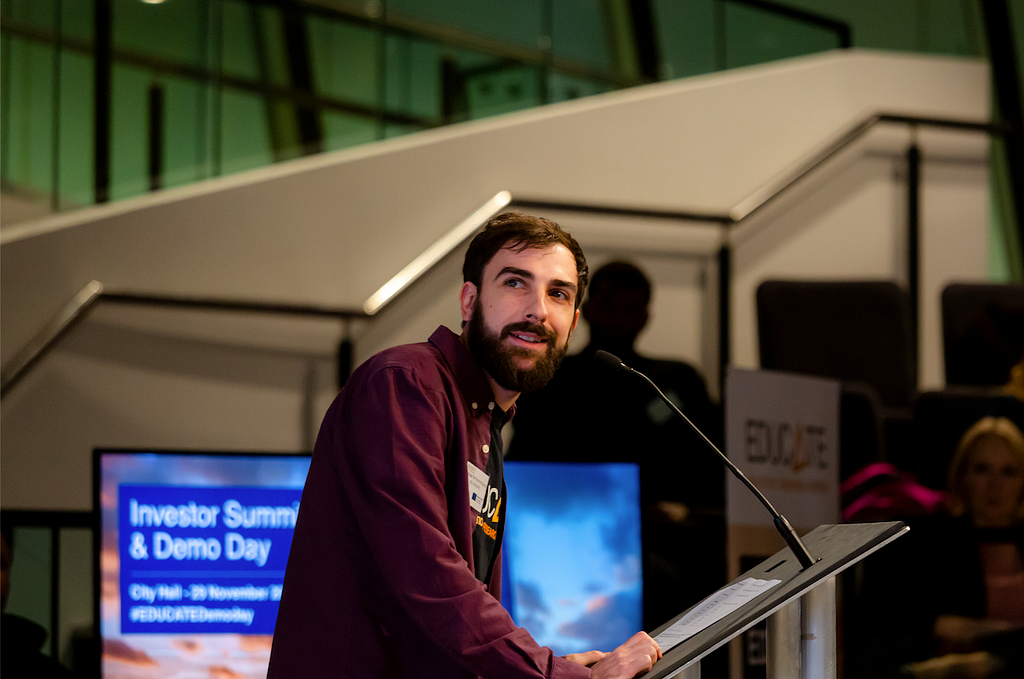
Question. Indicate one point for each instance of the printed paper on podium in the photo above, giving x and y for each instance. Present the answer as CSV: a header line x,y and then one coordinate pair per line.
x,y
714,608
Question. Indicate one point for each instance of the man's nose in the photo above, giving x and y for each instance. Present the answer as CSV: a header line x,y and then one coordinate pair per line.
x,y
537,307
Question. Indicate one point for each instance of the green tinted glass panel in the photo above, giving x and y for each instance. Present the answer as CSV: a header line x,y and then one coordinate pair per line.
x,y
238,43
245,132
397,130
952,27
520,23
342,130
184,134
31,14
5,100
502,90
76,593
76,18
345,60
1017,26
129,137
754,36
30,577
579,31
564,87
76,164
686,36
168,31
28,123
413,78
271,48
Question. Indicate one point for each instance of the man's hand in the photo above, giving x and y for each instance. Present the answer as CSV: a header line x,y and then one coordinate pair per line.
x,y
586,659
634,657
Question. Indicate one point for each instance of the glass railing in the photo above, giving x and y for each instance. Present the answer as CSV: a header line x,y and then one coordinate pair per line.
x,y
108,99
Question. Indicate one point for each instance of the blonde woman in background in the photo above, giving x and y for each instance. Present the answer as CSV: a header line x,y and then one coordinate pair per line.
x,y
972,579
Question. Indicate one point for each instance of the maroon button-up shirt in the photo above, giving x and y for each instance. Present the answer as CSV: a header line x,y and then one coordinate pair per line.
x,y
380,579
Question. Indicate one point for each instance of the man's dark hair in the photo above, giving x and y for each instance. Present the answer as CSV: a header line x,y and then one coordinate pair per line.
x,y
518,231
621,275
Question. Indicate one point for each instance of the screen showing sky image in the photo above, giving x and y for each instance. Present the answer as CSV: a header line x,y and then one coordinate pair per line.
x,y
572,569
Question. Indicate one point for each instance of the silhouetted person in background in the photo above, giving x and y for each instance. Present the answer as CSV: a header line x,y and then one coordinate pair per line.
x,y
617,418
21,638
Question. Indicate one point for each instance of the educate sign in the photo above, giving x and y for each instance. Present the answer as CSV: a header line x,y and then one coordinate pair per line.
x,y
782,430
203,560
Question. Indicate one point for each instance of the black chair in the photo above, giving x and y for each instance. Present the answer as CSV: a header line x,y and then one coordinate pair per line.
x,y
858,332
982,331
855,331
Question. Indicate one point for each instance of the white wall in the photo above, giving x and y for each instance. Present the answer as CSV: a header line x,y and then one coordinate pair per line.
x,y
331,229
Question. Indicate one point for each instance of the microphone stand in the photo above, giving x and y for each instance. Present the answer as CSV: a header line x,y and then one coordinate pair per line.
x,y
781,523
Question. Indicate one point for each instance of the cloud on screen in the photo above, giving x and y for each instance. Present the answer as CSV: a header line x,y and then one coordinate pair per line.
x,y
608,621
116,649
621,536
555,489
528,598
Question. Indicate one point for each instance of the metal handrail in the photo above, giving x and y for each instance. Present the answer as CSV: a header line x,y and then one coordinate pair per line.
x,y
94,292
91,294
71,313
779,184
435,253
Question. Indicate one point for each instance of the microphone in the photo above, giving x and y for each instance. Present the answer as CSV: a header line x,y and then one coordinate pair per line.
x,y
781,524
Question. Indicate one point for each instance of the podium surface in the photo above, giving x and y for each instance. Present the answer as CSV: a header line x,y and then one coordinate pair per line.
x,y
835,546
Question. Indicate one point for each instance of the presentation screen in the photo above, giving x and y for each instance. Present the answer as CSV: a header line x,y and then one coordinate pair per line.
x,y
191,559
193,548
572,573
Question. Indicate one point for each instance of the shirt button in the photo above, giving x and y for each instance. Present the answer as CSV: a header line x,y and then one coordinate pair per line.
x,y
490,406
486,448
474,405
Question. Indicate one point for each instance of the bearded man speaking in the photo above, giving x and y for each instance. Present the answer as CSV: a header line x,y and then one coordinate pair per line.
x,y
395,566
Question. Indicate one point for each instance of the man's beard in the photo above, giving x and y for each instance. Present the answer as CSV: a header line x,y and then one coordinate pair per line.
x,y
499,360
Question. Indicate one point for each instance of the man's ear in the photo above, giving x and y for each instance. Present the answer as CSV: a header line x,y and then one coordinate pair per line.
x,y
467,300
575,320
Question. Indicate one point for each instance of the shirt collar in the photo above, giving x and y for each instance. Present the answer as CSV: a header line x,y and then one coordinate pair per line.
x,y
471,378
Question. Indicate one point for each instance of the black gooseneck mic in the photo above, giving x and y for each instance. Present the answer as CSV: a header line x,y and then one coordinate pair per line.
x,y
781,524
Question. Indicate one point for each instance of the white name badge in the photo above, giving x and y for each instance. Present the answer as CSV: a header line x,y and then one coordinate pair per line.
x,y
477,486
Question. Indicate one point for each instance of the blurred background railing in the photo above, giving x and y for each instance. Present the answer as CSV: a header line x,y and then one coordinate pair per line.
x,y
107,99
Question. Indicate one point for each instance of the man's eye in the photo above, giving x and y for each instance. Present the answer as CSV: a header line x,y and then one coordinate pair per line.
x,y
513,283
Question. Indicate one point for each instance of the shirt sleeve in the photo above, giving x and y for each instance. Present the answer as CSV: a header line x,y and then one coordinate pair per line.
x,y
393,472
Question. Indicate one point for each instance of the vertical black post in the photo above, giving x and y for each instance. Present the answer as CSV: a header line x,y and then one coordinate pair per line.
x,y
300,69
724,303
156,135
721,56
55,591
646,38
103,35
345,351
382,71
453,93
914,246
548,38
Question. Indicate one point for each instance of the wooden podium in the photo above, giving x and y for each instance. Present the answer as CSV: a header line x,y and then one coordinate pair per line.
x,y
800,609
